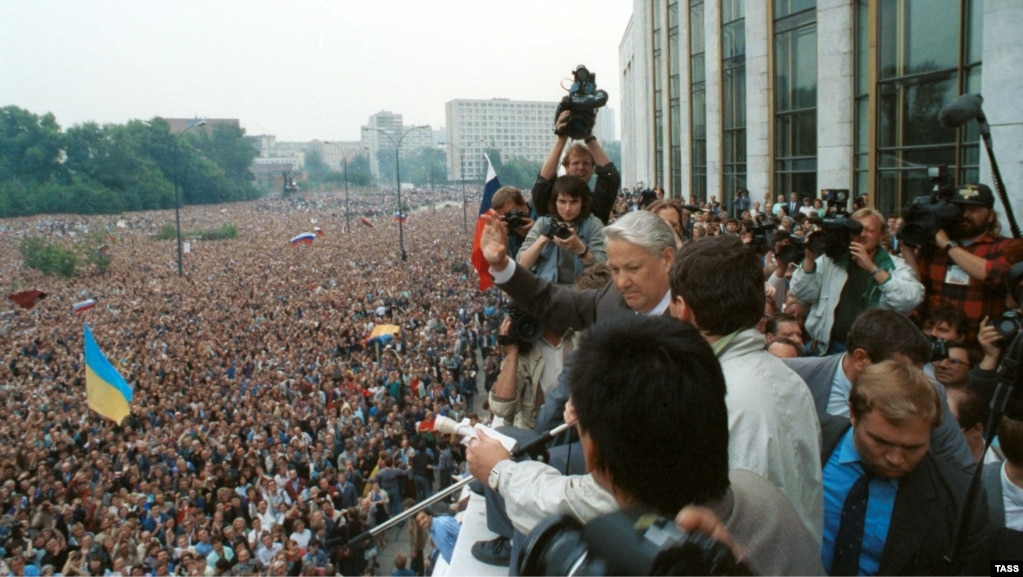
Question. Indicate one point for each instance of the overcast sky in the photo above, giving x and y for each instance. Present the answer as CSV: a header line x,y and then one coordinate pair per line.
x,y
297,69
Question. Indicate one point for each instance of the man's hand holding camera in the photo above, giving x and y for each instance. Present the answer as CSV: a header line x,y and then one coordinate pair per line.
x,y
503,336
566,238
990,342
862,258
809,255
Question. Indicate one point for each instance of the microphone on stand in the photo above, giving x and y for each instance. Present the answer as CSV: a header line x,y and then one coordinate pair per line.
x,y
962,110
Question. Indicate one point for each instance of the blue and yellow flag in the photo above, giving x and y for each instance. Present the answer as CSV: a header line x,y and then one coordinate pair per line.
x,y
107,392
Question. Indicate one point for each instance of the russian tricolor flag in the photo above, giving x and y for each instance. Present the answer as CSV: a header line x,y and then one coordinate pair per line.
x,y
84,305
478,262
304,238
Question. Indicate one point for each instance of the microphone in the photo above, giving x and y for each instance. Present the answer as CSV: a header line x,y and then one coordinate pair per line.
x,y
450,426
962,110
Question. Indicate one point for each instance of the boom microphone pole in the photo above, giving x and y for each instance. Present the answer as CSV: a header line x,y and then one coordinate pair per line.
x,y
520,450
962,110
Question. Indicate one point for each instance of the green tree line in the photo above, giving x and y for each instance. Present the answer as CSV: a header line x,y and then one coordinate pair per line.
x,y
111,168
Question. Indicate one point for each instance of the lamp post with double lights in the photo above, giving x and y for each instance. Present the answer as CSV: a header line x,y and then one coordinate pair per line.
x,y
344,165
397,184
178,191
461,173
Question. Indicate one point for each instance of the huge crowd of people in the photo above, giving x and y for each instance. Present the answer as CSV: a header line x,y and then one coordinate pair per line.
x,y
261,419
267,429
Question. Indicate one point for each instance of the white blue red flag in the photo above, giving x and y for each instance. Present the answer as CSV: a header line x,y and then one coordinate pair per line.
x,y
478,262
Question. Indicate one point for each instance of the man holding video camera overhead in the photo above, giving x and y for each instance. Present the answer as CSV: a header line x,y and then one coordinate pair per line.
x,y
576,117
965,264
849,273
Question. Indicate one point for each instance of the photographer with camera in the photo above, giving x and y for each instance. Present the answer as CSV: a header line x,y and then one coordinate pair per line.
x,y
512,207
965,265
853,274
569,239
534,357
576,117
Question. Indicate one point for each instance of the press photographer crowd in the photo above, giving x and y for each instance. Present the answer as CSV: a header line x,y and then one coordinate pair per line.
x,y
787,384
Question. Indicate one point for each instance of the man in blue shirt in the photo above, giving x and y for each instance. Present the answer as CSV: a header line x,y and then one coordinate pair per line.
x,y
890,506
443,531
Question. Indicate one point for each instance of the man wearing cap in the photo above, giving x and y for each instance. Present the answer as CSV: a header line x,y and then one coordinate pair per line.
x,y
966,266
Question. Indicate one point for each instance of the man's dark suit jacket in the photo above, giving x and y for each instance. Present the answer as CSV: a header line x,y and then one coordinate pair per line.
x,y
561,307
947,441
926,511
1006,542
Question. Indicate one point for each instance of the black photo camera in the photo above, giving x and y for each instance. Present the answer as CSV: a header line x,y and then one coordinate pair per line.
x,y
515,218
623,543
525,328
559,230
939,349
583,100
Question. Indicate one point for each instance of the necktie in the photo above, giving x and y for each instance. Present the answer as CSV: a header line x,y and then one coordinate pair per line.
x,y
849,539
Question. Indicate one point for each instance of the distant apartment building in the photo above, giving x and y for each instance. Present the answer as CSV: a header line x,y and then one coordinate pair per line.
x,y
386,130
517,128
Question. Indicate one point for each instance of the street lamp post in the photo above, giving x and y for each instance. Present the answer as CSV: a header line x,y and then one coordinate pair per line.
x,y
461,173
344,165
397,184
177,190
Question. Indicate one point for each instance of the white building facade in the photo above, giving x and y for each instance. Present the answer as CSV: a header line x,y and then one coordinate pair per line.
x,y
782,96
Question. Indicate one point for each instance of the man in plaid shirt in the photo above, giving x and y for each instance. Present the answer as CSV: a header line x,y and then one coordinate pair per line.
x,y
966,266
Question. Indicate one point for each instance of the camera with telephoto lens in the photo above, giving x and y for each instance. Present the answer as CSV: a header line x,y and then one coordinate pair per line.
x,y
623,543
583,100
525,328
928,214
515,219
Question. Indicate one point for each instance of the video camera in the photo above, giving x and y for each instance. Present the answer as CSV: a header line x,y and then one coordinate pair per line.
x,y
832,239
623,543
929,213
583,100
763,237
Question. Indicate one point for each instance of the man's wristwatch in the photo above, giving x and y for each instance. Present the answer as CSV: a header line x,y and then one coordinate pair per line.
x,y
493,478
951,245
589,139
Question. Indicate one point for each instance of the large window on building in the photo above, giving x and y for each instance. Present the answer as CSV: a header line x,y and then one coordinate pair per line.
x,y
697,102
795,98
674,102
733,99
925,57
659,115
